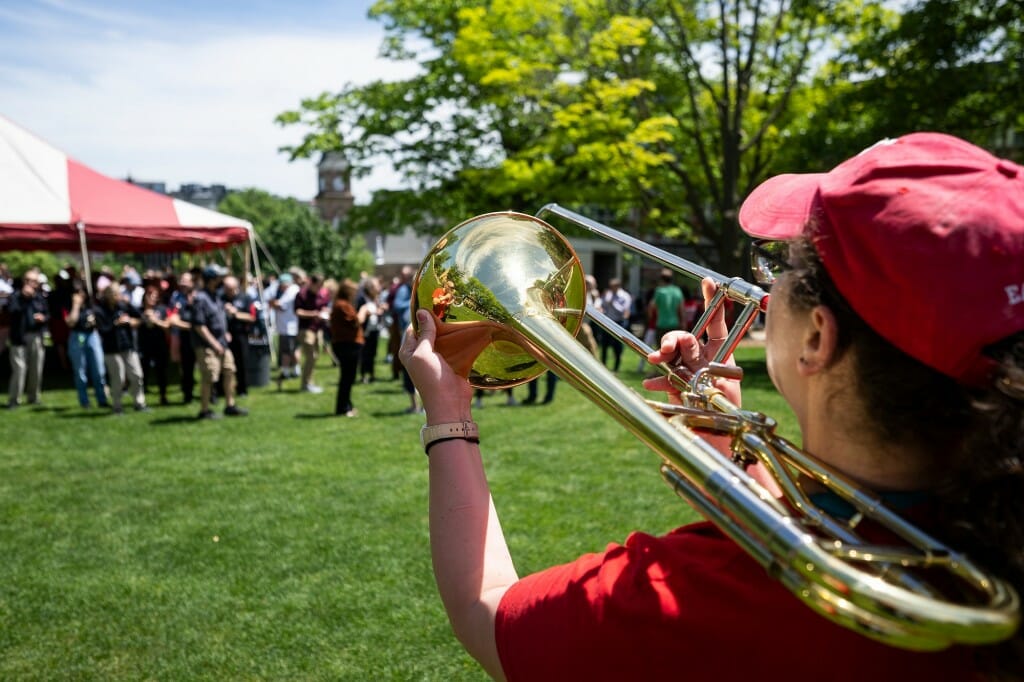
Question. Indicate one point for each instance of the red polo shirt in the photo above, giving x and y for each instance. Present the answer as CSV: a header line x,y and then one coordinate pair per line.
x,y
690,605
308,298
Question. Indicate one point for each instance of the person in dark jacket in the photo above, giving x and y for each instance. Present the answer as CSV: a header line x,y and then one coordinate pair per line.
x,y
29,314
180,318
210,338
154,350
238,306
347,339
116,321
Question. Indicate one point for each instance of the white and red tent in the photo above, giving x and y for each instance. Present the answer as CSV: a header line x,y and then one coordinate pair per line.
x,y
50,202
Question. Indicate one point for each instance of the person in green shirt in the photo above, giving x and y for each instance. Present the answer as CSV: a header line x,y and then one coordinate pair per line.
x,y
667,306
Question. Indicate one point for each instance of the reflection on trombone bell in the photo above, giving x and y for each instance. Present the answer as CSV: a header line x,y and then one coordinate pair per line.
x,y
488,275
517,276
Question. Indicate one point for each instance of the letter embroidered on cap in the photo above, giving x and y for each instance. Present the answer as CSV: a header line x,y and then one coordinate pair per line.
x,y
1013,292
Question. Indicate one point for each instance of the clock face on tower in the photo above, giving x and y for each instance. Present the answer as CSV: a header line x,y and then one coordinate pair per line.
x,y
338,183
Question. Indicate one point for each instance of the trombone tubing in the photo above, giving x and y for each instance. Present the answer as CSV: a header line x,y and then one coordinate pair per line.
x,y
764,528
752,297
906,614
737,289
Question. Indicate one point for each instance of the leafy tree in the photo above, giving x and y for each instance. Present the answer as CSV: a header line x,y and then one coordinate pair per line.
x,y
664,112
955,66
294,235
952,65
19,261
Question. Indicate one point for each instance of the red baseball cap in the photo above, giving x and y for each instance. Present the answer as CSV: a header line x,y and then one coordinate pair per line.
x,y
924,237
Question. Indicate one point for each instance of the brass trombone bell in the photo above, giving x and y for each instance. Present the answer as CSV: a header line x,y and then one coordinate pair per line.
x,y
492,270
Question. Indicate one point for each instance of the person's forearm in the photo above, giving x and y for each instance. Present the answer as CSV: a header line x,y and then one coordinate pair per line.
x,y
208,338
472,564
471,561
72,319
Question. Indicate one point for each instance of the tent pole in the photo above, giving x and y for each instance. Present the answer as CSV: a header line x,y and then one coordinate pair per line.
x,y
246,264
85,256
268,319
266,253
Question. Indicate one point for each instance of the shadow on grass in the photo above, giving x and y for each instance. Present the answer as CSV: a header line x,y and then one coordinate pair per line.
x,y
394,413
331,415
88,413
178,419
39,409
384,390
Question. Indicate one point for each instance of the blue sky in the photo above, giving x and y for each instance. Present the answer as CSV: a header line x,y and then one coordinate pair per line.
x,y
184,91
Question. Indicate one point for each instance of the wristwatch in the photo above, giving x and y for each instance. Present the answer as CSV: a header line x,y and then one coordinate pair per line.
x,y
436,433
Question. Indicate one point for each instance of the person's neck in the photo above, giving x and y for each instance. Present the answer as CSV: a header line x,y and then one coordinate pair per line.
x,y
842,439
880,469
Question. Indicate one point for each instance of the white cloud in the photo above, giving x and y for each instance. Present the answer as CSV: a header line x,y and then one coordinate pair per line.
x,y
192,111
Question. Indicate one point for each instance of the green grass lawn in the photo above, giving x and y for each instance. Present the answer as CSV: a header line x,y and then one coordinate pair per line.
x,y
289,544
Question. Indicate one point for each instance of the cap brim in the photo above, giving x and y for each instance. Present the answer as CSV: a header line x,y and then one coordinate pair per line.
x,y
779,207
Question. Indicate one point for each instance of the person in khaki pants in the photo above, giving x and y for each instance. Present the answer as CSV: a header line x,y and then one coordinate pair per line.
x,y
310,306
29,316
210,337
116,322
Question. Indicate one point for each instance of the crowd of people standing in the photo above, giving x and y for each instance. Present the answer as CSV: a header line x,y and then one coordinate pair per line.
x,y
346,319
118,335
121,334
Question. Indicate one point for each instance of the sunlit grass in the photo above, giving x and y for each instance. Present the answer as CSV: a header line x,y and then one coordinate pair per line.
x,y
290,544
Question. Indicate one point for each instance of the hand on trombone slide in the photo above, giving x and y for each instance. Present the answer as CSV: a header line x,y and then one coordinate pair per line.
x,y
686,354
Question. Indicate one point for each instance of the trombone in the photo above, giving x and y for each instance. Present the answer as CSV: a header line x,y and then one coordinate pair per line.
x,y
518,277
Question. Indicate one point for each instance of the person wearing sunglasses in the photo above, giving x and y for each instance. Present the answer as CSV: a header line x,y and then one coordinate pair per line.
x,y
895,332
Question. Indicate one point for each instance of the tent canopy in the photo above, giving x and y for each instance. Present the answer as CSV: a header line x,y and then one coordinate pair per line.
x,y
49,202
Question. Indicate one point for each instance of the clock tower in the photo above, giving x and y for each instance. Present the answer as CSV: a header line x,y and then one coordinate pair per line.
x,y
334,198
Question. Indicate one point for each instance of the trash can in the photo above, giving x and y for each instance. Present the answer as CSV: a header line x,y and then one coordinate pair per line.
x,y
257,366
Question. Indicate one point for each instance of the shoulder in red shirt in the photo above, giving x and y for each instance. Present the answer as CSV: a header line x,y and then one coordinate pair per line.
x,y
688,605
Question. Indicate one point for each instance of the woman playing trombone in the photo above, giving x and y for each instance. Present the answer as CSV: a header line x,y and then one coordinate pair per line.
x,y
896,334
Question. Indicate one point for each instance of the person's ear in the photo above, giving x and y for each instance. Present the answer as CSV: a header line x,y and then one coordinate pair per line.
x,y
821,336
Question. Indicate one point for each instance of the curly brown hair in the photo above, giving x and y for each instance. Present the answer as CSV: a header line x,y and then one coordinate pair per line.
x,y
974,435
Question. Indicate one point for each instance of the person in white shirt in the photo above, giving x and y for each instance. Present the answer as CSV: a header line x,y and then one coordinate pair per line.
x,y
616,304
287,324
